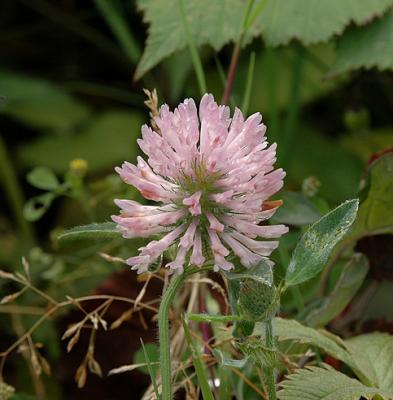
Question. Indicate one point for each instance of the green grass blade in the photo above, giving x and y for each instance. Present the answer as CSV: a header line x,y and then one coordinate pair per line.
x,y
250,78
196,60
292,120
117,23
200,368
150,369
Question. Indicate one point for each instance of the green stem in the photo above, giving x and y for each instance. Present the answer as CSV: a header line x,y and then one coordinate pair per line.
x,y
250,77
196,60
13,192
297,297
271,91
295,291
199,366
164,335
255,14
117,23
213,318
270,379
292,119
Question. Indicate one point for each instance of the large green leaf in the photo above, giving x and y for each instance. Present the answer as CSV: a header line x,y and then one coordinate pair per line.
x,y
287,329
213,22
375,213
39,103
312,21
218,22
105,230
369,356
315,383
109,139
366,47
346,287
315,246
373,354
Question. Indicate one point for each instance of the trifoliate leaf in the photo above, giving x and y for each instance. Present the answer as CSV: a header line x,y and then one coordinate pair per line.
x,y
213,22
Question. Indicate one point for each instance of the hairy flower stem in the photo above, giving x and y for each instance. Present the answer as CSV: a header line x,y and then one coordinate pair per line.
x,y
270,380
164,335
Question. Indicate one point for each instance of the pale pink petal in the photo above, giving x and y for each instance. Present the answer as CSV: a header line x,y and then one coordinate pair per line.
x,y
221,263
128,231
193,203
157,247
264,248
251,230
188,239
135,209
247,257
215,121
178,263
215,224
216,245
197,256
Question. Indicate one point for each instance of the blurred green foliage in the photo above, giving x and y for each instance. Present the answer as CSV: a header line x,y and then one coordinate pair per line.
x,y
322,80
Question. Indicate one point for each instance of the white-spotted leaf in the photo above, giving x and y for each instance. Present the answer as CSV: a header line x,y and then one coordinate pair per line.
x,y
316,245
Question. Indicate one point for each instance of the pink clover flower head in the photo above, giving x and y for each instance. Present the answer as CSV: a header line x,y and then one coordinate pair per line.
x,y
210,176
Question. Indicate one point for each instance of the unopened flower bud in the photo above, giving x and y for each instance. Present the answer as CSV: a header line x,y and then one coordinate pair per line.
x,y
78,166
310,186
